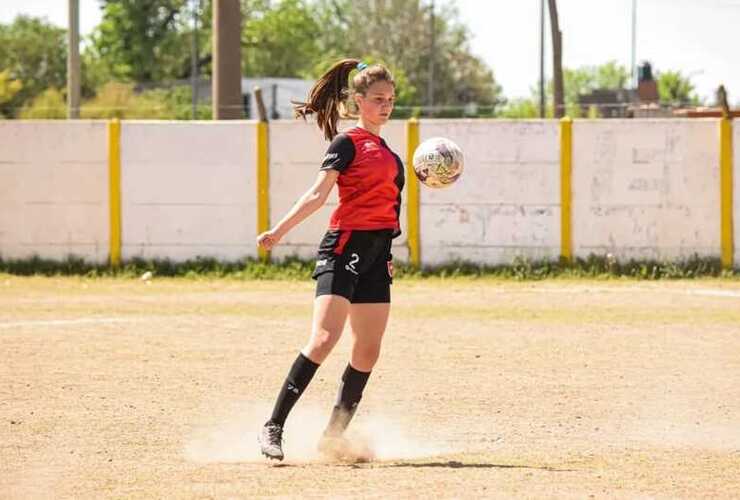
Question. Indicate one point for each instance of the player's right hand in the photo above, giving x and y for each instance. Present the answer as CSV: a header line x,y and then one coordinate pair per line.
x,y
268,239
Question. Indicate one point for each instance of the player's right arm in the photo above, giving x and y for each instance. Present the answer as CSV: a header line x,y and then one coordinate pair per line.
x,y
312,200
338,157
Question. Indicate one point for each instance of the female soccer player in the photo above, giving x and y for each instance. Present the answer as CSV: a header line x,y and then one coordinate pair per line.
x,y
354,265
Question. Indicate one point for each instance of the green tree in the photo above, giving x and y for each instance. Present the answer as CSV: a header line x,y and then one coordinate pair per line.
x,y
578,81
675,88
399,32
586,79
34,52
279,40
8,87
610,76
149,41
95,72
143,40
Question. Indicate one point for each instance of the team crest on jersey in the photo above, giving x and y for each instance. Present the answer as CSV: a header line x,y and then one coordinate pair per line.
x,y
370,146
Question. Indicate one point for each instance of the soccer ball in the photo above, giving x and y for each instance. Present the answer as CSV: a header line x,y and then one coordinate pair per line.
x,y
438,162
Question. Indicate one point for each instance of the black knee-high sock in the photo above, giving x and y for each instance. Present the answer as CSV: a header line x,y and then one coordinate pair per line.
x,y
350,393
298,378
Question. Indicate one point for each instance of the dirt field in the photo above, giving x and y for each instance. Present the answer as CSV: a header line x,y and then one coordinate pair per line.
x,y
119,388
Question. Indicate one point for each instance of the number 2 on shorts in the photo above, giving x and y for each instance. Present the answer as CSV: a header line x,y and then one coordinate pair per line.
x,y
351,266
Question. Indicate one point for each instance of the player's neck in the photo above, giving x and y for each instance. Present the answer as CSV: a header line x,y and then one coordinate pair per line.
x,y
370,127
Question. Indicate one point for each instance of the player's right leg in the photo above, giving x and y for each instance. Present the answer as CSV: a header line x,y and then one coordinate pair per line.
x,y
330,314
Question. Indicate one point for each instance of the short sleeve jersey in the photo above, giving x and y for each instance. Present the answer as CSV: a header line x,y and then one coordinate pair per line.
x,y
370,181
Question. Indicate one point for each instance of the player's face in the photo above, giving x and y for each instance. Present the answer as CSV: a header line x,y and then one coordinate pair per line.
x,y
377,103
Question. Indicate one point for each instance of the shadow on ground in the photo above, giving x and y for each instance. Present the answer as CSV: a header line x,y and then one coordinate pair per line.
x,y
454,464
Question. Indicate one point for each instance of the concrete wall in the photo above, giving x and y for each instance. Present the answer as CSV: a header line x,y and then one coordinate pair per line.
x,y
507,202
188,189
646,189
54,190
641,189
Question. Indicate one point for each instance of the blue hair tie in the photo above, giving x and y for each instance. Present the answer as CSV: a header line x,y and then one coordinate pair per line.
x,y
361,66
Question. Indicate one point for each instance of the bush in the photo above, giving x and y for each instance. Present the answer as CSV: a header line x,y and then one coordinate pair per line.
x,y
49,105
118,100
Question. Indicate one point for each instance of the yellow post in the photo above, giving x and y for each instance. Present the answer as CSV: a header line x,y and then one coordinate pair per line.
x,y
114,190
566,193
725,175
413,202
263,185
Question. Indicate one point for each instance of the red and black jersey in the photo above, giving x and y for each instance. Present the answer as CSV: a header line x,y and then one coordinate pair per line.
x,y
370,181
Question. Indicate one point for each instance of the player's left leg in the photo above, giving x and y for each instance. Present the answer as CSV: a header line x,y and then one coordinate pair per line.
x,y
368,318
368,323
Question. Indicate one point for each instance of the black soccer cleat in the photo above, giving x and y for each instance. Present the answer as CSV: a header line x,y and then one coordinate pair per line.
x,y
271,441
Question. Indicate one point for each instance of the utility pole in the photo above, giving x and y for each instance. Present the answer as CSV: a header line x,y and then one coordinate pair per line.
x,y
227,83
430,82
542,58
557,60
73,60
194,60
633,71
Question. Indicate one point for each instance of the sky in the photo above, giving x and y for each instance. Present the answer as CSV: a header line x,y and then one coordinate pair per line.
x,y
700,38
697,37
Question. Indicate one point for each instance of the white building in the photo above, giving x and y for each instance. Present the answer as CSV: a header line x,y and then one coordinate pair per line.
x,y
277,94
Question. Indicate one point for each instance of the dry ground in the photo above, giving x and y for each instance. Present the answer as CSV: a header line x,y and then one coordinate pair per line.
x,y
119,388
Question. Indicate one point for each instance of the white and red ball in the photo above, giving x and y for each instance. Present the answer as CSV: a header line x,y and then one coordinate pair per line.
x,y
438,162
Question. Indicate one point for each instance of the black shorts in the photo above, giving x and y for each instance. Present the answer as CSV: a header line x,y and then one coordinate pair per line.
x,y
357,265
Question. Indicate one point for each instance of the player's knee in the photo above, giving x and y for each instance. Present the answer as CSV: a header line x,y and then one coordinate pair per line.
x,y
322,342
364,356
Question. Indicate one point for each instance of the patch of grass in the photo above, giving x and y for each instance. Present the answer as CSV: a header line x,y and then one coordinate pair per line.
x,y
593,267
289,269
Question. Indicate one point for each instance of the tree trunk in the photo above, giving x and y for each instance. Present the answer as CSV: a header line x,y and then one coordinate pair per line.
x,y
557,59
227,76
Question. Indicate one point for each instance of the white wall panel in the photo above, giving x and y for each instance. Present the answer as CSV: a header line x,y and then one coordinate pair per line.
x,y
54,189
188,190
507,202
646,189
